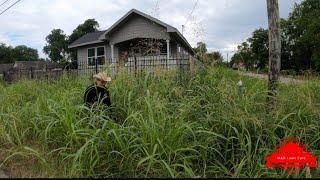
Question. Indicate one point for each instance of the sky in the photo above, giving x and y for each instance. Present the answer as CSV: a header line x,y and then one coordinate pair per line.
x,y
221,24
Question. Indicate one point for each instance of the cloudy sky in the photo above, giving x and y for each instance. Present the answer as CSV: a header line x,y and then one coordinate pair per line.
x,y
221,24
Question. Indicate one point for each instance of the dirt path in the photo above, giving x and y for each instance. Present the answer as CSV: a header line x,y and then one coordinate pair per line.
x,y
265,76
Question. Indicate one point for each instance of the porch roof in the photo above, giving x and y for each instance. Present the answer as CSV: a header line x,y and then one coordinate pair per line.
x,y
90,38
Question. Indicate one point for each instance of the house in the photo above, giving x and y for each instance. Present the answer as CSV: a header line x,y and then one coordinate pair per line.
x,y
136,36
240,65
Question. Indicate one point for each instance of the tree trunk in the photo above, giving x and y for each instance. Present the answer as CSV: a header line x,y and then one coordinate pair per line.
x,y
274,50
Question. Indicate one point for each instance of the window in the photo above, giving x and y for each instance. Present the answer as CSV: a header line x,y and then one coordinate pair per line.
x,y
101,56
91,56
96,54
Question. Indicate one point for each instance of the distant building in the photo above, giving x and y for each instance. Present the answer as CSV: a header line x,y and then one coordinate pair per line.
x,y
28,69
5,67
36,65
240,65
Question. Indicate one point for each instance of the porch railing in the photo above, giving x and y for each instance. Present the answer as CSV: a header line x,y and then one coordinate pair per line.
x,y
138,64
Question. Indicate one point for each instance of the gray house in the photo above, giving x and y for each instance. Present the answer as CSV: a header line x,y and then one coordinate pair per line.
x,y
136,35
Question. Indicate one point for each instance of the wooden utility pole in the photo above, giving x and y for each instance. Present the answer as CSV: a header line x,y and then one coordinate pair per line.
x,y
274,50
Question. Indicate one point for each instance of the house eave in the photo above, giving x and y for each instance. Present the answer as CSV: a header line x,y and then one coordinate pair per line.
x,y
85,44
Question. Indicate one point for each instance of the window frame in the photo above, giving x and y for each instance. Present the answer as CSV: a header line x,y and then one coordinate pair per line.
x,y
96,55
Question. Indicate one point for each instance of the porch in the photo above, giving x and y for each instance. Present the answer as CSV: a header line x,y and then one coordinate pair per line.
x,y
138,64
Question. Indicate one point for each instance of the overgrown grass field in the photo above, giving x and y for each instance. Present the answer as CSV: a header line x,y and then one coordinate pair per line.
x,y
167,126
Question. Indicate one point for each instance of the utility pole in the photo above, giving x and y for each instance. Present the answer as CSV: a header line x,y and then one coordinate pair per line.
x,y
182,29
274,50
228,57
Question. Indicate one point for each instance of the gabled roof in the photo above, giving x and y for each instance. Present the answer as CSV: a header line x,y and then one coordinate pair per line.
x,y
89,38
92,38
169,28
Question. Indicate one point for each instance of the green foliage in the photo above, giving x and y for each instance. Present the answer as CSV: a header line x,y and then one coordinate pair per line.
x,y
90,25
199,128
244,55
303,33
58,42
24,53
6,54
259,46
201,50
57,45
10,54
300,41
207,58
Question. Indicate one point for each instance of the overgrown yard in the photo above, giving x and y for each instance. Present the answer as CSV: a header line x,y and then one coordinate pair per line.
x,y
168,127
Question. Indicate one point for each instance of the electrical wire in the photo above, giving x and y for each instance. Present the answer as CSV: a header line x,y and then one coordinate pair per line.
x,y
10,7
4,2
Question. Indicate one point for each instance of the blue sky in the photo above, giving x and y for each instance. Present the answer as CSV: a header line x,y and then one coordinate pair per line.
x,y
221,24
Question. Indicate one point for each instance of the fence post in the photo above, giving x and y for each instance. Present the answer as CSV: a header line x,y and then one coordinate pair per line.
x,y
31,71
47,73
96,60
135,65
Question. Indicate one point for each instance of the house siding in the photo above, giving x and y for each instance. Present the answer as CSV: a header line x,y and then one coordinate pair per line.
x,y
173,49
138,27
82,53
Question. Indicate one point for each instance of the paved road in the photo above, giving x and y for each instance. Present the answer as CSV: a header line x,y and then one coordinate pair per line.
x,y
282,79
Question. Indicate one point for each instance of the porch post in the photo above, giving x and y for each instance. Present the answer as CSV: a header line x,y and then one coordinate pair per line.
x,y
168,49
113,59
112,52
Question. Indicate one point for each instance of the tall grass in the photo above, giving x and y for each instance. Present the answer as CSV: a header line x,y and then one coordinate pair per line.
x,y
162,126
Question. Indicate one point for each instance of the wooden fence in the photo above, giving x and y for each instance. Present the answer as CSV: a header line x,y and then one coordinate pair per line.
x,y
133,65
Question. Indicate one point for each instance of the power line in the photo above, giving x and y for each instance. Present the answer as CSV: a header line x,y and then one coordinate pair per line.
x,y
4,2
10,7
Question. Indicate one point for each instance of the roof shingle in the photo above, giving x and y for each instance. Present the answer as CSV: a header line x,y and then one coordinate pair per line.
x,y
88,38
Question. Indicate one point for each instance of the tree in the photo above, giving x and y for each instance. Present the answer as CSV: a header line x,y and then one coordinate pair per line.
x,y
216,55
57,45
9,54
24,53
259,48
6,54
201,51
90,25
287,62
304,34
215,58
244,55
